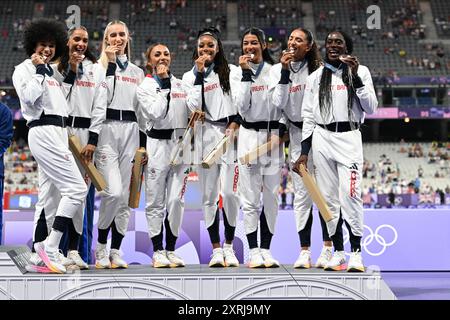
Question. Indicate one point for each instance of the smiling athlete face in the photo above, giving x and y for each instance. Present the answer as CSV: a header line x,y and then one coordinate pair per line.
x,y
160,54
117,36
335,46
207,45
298,44
78,41
251,45
46,49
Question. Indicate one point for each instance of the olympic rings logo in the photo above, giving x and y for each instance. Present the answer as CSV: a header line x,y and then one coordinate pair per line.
x,y
371,236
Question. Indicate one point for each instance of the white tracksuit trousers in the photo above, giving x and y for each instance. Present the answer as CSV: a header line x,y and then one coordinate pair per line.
x,y
260,175
338,157
222,178
165,186
117,145
62,189
302,200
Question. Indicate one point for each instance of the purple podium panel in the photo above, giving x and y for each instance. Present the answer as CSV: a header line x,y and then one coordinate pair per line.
x,y
394,239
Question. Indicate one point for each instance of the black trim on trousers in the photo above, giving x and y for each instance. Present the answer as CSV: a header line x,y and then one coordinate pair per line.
x,y
266,235
157,241
229,229
338,237
252,239
60,224
74,236
103,235
171,240
355,241
213,230
41,231
116,237
305,233
323,224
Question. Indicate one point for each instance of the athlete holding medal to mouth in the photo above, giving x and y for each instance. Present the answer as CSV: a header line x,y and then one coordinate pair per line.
x,y
337,97
260,123
162,100
210,90
62,189
297,62
115,131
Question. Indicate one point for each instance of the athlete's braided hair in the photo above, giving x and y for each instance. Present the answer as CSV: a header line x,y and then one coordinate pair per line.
x,y
325,96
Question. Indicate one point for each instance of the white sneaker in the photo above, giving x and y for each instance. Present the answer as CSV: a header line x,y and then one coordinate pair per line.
x,y
115,256
65,261
160,259
36,265
355,263
304,260
217,259
51,258
337,262
101,257
174,259
230,256
324,257
269,261
74,255
36,260
255,259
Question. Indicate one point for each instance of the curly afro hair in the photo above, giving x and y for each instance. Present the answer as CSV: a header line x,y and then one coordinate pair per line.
x,y
45,30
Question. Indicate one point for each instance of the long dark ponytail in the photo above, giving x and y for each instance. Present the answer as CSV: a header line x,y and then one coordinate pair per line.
x,y
64,62
313,55
221,66
262,40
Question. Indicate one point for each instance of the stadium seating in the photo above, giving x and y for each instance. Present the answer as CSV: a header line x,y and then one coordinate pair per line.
x,y
387,155
393,50
392,45
13,16
441,14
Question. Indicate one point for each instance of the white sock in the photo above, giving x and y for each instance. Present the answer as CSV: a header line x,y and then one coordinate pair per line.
x,y
227,245
53,239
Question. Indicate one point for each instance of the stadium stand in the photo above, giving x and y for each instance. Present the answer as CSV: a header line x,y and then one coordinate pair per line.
x,y
172,24
394,49
441,13
13,16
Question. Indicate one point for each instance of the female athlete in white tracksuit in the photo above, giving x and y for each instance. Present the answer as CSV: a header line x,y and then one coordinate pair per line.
x,y
163,103
45,108
260,121
209,90
300,59
114,123
337,97
79,68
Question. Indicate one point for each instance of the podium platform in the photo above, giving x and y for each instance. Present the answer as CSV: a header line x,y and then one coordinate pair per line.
x,y
194,282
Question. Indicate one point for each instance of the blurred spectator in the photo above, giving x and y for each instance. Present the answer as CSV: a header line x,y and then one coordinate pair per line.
x,y
420,171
